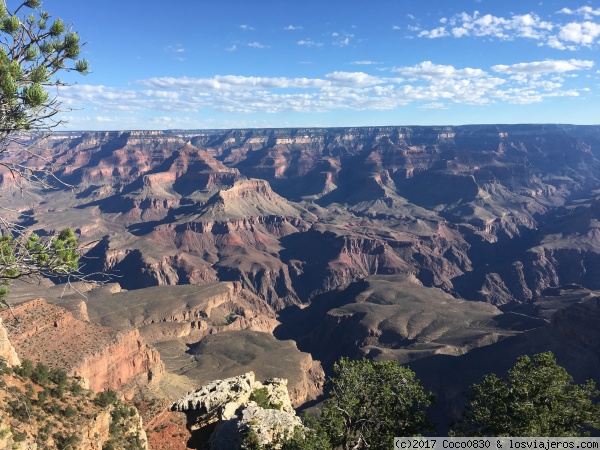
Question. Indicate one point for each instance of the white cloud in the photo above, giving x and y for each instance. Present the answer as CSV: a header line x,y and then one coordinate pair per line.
x,y
566,36
310,43
584,33
257,45
352,79
544,67
434,105
429,70
586,11
341,39
426,85
175,49
459,32
525,25
246,28
365,62
435,33
293,27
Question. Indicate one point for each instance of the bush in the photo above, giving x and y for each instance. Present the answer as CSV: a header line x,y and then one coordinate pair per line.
x,y
310,437
106,398
58,391
261,397
69,412
20,409
40,374
64,442
43,396
75,388
58,376
25,369
19,437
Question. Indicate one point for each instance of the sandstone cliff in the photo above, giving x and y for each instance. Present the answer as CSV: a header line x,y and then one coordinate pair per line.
x,y
7,351
108,359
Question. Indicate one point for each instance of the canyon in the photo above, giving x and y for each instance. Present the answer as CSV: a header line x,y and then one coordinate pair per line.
x,y
276,251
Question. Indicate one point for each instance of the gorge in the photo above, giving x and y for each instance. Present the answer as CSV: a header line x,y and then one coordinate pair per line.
x,y
450,249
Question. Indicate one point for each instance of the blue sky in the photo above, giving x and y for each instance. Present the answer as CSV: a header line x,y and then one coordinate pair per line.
x,y
282,63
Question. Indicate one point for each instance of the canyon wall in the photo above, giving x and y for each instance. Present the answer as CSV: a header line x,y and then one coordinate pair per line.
x,y
106,358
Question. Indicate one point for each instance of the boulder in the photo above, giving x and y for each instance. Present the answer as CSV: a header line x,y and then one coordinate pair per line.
x,y
220,414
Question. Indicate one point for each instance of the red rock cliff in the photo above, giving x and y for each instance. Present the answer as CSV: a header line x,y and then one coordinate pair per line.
x,y
107,358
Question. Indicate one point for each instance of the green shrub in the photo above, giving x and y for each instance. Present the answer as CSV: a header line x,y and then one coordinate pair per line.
x,y
19,437
69,412
25,369
64,442
261,397
43,396
58,376
106,398
40,374
75,388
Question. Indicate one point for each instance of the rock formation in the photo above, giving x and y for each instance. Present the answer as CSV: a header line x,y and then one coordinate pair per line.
x,y
230,352
350,241
7,351
441,203
108,359
396,317
221,414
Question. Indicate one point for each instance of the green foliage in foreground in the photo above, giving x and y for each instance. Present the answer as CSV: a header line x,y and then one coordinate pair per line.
x,y
310,436
538,398
371,402
23,256
34,49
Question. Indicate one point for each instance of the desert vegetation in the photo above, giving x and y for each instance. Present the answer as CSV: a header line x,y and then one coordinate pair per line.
x,y
46,407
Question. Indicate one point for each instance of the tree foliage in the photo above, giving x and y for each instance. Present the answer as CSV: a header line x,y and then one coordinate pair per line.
x,y
25,254
371,402
311,436
538,398
34,49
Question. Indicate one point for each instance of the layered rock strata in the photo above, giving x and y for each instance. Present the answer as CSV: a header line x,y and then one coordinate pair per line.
x,y
107,358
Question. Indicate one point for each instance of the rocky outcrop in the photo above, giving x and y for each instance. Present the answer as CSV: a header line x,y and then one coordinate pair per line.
x,y
7,351
107,358
229,352
221,414
96,433
268,425
216,401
